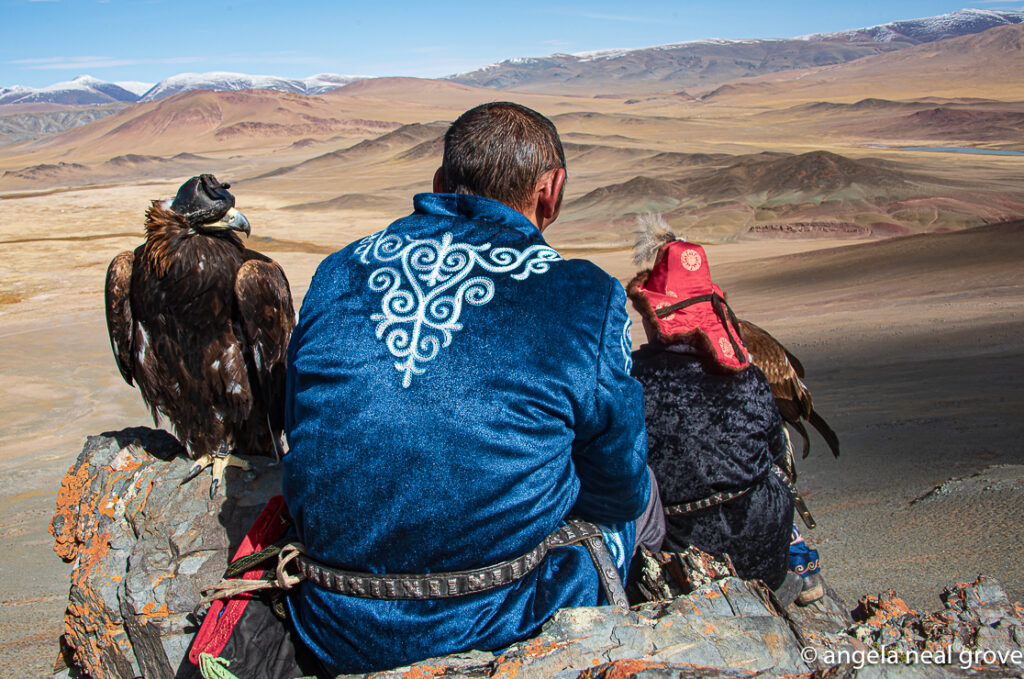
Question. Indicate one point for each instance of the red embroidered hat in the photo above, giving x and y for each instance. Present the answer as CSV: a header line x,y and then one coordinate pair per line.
x,y
677,296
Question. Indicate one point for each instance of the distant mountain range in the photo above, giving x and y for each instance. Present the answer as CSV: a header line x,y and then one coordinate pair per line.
x,y
221,82
82,91
710,62
88,91
661,68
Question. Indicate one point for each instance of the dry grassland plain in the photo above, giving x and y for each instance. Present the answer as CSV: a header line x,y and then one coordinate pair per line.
x,y
858,256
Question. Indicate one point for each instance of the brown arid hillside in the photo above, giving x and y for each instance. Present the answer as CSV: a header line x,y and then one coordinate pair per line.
x,y
665,68
984,65
669,67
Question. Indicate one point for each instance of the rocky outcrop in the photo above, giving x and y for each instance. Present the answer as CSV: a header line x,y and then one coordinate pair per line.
x,y
144,547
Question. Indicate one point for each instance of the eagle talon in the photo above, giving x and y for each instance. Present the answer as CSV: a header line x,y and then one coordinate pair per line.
x,y
193,472
219,464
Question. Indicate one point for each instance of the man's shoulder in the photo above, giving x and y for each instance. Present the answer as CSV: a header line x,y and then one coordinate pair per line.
x,y
341,260
584,273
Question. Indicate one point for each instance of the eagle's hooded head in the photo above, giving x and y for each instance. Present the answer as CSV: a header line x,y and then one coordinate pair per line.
x,y
203,206
208,206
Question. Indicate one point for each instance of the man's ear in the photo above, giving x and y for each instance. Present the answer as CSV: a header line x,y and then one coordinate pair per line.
x,y
438,183
549,196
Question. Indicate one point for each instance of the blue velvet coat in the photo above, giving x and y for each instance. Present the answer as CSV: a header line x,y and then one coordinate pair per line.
x,y
455,390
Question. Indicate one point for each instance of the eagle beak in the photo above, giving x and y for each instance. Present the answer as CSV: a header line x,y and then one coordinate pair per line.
x,y
236,221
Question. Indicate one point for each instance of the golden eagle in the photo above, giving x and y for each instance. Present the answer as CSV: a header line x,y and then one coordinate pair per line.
x,y
784,371
201,324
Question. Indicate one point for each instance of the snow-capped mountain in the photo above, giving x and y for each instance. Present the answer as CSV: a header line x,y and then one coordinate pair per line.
x,y
705,62
134,86
9,95
929,29
222,81
660,68
82,91
88,91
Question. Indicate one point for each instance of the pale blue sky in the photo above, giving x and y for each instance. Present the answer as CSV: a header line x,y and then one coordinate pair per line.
x,y
45,41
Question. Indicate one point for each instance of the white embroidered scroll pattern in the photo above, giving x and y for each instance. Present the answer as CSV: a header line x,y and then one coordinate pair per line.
x,y
627,344
424,291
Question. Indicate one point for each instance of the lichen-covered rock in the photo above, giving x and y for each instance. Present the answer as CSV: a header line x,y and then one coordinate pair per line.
x,y
143,547
978,626
726,628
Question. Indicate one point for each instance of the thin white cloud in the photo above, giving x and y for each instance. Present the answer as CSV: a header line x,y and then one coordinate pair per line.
x,y
288,57
94,62
628,18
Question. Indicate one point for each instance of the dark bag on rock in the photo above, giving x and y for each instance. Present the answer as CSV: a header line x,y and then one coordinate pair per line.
x,y
248,634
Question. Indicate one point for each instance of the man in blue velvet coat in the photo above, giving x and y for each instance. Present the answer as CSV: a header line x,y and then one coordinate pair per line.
x,y
457,389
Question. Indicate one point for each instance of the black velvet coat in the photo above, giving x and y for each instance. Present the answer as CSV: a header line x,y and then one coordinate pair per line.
x,y
709,431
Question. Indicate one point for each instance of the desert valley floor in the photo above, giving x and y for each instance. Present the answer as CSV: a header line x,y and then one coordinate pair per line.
x,y
912,349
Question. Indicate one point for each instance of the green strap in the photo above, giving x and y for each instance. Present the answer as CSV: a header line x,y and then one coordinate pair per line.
x,y
250,561
212,667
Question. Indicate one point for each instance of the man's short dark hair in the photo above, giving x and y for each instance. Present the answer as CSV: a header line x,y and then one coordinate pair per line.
x,y
500,150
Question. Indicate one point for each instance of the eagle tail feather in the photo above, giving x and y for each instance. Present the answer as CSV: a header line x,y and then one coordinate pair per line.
x,y
826,432
802,430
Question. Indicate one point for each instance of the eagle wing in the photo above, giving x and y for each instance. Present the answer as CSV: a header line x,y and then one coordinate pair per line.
x,y
119,312
774,361
268,317
784,371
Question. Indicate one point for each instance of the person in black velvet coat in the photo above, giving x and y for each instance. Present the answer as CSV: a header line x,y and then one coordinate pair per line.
x,y
713,429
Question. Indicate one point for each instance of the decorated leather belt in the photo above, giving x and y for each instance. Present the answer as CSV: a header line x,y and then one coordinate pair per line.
x,y
714,500
721,498
445,585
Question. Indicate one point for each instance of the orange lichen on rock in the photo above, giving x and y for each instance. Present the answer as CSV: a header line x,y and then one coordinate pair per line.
x,y
64,524
81,529
94,635
536,648
507,669
151,610
622,669
125,461
157,580
878,611
424,672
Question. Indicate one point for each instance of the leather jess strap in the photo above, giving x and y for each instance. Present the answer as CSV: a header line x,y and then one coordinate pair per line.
x,y
685,508
443,585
